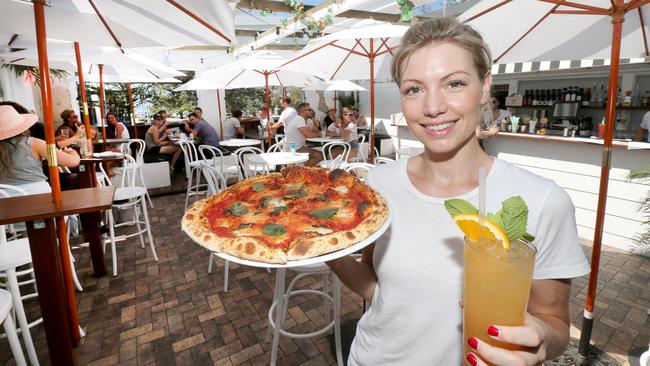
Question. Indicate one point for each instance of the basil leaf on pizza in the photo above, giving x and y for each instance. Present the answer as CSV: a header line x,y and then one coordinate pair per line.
x,y
279,217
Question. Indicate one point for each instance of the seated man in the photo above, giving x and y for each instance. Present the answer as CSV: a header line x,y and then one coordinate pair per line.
x,y
346,129
232,127
297,132
202,130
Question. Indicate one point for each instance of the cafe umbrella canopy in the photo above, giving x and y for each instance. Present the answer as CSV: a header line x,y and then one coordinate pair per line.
x,y
352,54
540,30
258,70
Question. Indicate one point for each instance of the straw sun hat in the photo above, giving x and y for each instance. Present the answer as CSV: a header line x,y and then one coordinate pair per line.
x,y
12,123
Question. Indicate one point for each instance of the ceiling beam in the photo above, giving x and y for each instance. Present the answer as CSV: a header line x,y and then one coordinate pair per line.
x,y
277,6
360,14
279,47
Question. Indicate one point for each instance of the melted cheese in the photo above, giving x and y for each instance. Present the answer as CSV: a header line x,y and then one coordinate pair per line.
x,y
342,189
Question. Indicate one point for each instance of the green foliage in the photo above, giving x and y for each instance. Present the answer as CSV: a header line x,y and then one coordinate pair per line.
x,y
251,99
406,8
346,99
642,240
20,70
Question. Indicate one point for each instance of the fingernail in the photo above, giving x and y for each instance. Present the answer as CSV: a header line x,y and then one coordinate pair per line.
x,y
471,359
493,331
472,342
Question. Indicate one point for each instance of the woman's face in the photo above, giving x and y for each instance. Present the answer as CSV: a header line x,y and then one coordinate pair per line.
x,y
111,119
441,96
348,117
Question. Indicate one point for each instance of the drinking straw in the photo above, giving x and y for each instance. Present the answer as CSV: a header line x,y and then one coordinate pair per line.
x,y
482,176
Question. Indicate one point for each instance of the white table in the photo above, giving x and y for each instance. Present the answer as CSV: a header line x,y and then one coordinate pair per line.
x,y
239,142
278,158
324,140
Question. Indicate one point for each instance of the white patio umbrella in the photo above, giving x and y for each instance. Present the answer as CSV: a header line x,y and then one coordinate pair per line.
x,y
528,30
259,70
351,55
335,85
127,23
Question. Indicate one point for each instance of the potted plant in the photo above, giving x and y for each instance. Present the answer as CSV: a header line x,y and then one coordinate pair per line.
x,y
642,240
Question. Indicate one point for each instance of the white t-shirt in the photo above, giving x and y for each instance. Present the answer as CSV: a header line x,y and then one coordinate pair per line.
x,y
230,128
645,124
291,131
415,318
352,137
287,115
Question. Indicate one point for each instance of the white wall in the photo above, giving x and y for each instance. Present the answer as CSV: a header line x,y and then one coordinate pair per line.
x,y
15,89
210,107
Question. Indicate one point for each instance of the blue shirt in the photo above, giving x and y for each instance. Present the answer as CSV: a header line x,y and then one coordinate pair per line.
x,y
207,133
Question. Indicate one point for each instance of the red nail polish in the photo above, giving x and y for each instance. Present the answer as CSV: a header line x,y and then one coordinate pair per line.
x,y
472,342
493,331
471,359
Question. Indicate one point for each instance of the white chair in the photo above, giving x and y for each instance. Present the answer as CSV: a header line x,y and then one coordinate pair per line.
x,y
130,196
360,170
10,328
361,138
13,255
136,148
227,165
192,170
278,137
249,169
279,146
383,160
216,183
281,298
329,160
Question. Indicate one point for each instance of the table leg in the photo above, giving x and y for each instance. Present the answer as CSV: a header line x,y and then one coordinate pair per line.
x,y
90,225
51,291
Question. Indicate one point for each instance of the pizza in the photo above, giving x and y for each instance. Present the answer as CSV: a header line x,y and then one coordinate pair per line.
x,y
299,213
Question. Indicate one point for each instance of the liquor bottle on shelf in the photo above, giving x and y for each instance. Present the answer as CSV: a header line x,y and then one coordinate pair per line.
x,y
627,99
587,98
636,97
619,98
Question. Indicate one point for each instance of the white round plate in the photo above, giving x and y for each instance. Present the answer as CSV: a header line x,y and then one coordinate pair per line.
x,y
320,259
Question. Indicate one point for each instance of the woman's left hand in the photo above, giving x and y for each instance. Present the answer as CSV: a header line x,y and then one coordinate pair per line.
x,y
530,337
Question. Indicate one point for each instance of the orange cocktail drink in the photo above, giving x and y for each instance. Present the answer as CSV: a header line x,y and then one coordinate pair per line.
x,y
497,284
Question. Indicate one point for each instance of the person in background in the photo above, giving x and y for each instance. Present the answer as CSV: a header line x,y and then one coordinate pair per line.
x,y
21,155
163,114
642,133
287,115
232,127
497,113
204,132
38,129
312,122
346,129
297,132
490,120
413,274
157,144
69,127
330,117
264,117
359,119
116,129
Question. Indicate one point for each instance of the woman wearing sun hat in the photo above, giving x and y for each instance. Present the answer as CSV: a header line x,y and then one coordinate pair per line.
x,y
21,155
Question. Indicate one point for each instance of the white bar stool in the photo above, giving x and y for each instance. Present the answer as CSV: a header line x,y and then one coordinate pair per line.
x,y
281,301
10,328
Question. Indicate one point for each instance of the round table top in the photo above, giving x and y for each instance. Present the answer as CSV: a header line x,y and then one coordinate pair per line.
x,y
239,142
324,139
104,156
278,158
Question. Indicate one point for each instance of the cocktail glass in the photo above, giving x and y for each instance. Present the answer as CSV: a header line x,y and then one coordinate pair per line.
x,y
496,286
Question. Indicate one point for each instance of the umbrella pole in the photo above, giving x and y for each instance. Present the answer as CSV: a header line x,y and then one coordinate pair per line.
x,y
618,18
101,102
268,108
371,59
220,119
82,91
135,126
46,98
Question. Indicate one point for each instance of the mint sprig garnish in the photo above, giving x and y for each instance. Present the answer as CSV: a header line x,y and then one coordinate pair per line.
x,y
512,217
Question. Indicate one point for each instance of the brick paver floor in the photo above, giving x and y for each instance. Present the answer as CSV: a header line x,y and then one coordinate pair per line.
x,y
174,313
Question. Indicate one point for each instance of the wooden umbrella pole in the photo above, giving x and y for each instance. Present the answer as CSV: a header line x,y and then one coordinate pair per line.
x,y
220,119
618,17
101,103
371,59
84,102
268,107
135,125
52,165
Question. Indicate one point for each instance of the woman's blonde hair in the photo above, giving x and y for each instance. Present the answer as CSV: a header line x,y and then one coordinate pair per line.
x,y
438,31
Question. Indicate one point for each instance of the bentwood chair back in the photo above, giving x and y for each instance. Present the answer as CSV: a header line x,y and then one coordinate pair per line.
x,y
6,305
247,167
383,160
136,148
279,146
360,170
216,183
192,170
331,148
227,165
15,254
